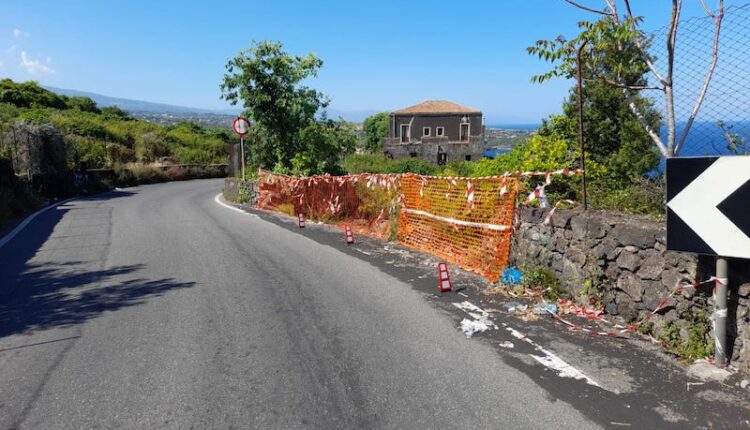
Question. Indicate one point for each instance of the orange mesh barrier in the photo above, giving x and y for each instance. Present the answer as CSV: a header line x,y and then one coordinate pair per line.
x,y
368,203
466,221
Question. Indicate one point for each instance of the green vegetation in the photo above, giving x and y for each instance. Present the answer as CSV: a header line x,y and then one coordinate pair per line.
x,y
371,163
106,137
544,279
376,128
50,136
289,135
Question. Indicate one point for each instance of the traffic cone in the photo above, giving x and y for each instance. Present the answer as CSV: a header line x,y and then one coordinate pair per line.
x,y
349,235
444,278
301,221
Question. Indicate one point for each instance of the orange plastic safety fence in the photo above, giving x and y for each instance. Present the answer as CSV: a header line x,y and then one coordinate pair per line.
x,y
365,202
465,221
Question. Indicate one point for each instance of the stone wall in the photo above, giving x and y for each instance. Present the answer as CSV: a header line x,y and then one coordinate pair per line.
x,y
429,151
623,259
239,191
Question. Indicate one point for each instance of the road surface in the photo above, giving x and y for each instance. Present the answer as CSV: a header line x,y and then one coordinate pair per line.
x,y
155,307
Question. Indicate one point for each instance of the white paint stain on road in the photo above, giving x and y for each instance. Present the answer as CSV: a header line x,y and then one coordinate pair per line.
x,y
547,358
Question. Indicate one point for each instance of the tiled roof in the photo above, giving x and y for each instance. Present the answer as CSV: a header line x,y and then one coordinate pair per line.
x,y
436,106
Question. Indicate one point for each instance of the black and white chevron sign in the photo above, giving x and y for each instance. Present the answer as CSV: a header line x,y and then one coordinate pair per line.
x,y
708,205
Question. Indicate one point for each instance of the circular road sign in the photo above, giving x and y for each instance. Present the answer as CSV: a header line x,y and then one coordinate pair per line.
x,y
241,126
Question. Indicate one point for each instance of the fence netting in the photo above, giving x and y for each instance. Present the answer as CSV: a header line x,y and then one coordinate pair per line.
x,y
722,126
464,221
367,202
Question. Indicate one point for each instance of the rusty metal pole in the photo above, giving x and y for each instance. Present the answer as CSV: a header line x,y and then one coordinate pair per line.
x,y
584,191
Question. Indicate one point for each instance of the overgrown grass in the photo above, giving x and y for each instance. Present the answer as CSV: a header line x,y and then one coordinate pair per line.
x,y
544,279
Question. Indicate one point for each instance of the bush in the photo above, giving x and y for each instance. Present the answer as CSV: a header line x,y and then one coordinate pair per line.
x,y
639,196
544,279
369,163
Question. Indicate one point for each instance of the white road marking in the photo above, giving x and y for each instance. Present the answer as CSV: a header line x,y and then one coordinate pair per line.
x,y
217,199
462,294
547,359
28,219
364,252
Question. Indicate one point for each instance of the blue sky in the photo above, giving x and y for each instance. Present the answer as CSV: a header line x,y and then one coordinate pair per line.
x,y
378,55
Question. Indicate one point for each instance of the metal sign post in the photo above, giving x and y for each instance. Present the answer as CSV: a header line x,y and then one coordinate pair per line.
x,y
707,202
240,127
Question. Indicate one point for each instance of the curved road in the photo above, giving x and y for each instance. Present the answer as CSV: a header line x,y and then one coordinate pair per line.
x,y
155,307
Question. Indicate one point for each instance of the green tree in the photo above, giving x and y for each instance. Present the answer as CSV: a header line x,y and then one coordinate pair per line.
x,y
613,135
83,104
268,81
376,128
287,136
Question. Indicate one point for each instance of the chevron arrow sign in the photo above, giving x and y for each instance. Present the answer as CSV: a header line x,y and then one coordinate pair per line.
x,y
708,205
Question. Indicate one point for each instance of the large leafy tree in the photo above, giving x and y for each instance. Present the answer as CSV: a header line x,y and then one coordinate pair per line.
x,y
288,137
613,136
375,128
616,52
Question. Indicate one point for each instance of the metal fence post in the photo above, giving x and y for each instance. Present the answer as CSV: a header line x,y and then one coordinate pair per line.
x,y
584,191
720,311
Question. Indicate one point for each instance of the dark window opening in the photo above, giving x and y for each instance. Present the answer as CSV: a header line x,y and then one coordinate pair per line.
x,y
405,133
464,133
439,131
412,154
442,158
468,158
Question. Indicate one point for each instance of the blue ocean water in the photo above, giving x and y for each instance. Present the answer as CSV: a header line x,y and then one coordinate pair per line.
x,y
527,127
707,138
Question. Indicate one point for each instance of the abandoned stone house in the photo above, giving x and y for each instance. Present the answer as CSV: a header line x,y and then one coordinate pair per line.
x,y
437,131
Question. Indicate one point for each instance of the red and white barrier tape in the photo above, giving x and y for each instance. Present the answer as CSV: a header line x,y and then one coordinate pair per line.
x,y
622,330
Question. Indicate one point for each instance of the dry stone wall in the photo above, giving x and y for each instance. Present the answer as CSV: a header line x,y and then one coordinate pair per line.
x,y
623,259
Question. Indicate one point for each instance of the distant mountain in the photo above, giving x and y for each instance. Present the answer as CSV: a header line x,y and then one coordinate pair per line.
x,y
150,109
351,116
131,105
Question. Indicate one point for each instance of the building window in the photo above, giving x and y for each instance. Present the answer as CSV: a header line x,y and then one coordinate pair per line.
x,y
442,158
439,131
464,133
425,131
405,133
468,158
413,154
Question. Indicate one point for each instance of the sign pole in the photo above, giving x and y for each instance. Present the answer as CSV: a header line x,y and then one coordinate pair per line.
x,y
240,127
242,150
720,311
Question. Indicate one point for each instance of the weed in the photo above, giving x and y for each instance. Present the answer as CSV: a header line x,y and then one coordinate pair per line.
x,y
542,278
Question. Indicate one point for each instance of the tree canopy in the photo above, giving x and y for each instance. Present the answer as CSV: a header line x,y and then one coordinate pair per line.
x,y
290,134
375,128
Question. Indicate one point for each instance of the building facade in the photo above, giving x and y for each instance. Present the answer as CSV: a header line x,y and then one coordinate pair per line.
x,y
437,131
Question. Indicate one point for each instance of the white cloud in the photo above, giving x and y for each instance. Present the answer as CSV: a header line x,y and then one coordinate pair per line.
x,y
17,33
34,67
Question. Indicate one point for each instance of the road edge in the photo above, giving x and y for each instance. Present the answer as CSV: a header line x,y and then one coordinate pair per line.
x,y
26,221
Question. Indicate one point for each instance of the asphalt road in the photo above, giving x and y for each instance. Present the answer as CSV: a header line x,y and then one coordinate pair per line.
x,y
155,307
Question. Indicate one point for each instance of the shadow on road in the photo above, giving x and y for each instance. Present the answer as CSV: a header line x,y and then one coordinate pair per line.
x,y
36,296
54,297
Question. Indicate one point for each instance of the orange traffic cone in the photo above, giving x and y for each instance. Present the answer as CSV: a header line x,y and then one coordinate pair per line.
x,y
349,235
444,278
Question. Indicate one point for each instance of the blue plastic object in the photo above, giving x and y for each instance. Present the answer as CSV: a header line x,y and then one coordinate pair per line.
x,y
511,276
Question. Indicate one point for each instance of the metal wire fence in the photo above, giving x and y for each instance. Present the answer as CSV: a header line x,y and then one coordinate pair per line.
x,y
722,126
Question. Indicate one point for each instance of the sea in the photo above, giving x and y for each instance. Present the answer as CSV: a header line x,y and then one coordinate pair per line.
x,y
706,138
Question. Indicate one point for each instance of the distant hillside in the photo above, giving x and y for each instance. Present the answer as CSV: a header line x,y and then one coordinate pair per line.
x,y
166,114
131,105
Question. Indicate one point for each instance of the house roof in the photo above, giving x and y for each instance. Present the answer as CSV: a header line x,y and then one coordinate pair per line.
x,y
436,107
